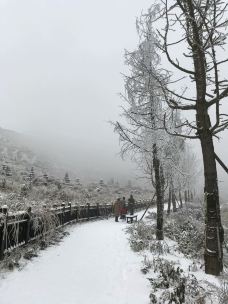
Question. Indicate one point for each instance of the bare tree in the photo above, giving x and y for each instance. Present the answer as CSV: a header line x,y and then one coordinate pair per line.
x,y
144,137
198,29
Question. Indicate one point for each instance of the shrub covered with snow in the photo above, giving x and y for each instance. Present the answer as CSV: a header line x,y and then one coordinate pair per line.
x,y
187,228
159,247
223,293
170,284
141,235
175,278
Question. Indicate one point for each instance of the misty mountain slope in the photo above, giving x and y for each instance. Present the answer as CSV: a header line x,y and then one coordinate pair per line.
x,y
56,157
21,186
20,155
13,149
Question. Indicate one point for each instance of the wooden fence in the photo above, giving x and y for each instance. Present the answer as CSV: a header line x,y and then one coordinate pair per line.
x,y
20,228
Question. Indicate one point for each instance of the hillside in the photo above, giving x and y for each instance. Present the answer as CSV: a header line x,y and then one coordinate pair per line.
x,y
19,157
28,178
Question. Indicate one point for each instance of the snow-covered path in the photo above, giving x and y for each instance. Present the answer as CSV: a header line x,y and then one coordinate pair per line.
x,y
93,265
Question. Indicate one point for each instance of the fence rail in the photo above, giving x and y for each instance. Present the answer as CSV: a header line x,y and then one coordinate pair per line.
x,y
20,228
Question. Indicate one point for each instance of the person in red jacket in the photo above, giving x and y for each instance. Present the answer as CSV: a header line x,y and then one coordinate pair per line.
x,y
116,209
123,210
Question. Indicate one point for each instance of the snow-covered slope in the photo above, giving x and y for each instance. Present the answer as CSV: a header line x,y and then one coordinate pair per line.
x,y
20,154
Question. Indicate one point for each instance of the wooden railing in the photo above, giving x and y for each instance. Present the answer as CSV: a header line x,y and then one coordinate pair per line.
x,y
20,228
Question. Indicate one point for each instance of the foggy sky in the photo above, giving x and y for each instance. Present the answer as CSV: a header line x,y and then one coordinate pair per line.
x,y
60,75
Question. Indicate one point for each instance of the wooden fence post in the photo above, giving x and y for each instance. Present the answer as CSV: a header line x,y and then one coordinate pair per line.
x,y
3,231
105,211
2,240
98,210
77,213
88,211
63,213
28,224
70,212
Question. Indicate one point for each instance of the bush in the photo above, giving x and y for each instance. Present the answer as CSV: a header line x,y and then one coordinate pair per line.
x,y
140,235
172,286
158,247
223,293
187,229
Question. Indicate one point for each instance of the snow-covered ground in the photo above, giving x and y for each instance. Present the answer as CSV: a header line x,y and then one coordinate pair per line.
x,y
93,265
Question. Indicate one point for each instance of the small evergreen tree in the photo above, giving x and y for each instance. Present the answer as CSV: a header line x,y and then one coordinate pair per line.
x,y
66,178
8,171
77,181
101,182
45,176
31,174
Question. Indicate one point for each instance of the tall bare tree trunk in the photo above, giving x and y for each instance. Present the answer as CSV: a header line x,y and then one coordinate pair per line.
x,y
180,198
185,196
173,198
169,201
174,202
159,193
214,231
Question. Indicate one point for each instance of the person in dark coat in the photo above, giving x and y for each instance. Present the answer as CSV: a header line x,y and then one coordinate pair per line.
x,y
123,210
131,204
116,209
